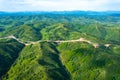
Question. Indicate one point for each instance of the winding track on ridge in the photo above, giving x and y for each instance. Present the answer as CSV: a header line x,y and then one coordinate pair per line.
x,y
95,45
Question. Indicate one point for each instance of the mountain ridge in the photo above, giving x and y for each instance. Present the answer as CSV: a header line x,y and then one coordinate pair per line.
x,y
74,45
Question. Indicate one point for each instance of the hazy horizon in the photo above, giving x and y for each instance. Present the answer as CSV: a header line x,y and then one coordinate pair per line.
x,y
59,5
60,11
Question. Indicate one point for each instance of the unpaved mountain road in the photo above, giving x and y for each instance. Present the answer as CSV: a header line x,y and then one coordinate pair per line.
x,y
95,45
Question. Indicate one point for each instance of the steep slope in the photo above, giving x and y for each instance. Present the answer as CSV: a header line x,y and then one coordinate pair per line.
x,y
60,61
38,62
59,32
24,33
81,60
94,30
101,31
114,36
9,51
85,62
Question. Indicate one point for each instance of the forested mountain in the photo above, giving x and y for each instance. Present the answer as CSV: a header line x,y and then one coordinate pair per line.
x,y
74,45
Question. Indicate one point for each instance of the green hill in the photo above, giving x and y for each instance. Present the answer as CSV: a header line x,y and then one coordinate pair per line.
x,y
38,62
46,53
66,61
24,33
102,32
85,62
9,51
59,32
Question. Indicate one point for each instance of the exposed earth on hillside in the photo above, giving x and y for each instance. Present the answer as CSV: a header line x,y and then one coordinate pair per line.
x,y
74,45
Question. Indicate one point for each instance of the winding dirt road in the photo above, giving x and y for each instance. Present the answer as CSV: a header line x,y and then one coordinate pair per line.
x,y
95,45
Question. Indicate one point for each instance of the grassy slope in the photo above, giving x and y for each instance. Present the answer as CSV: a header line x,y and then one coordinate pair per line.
x,y
102,32
24,33
41,61
114,36
9,51
54,27
85,62
59,32
38,62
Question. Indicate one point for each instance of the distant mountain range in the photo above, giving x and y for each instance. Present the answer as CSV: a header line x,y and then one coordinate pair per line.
x,y
67,45
63,12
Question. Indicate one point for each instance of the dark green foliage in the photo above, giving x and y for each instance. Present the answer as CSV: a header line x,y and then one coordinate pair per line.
x,y
85,62
64,61
59,32
38,62
24,32
60,26
50,57
9,51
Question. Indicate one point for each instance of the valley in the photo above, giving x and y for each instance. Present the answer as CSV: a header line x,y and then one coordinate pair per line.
x,y
73,45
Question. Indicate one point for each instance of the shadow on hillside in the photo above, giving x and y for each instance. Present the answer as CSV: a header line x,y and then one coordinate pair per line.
x,y
51,61
12,48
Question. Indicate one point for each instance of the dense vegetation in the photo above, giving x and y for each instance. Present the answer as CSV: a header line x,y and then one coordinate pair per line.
x,y
9,51
60,61
66,25
85,62
38,62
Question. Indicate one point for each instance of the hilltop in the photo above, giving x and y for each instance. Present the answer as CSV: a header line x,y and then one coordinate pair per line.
x,y
75,45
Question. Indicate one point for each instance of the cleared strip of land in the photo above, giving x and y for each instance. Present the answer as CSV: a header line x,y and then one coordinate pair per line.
x,y
96,45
